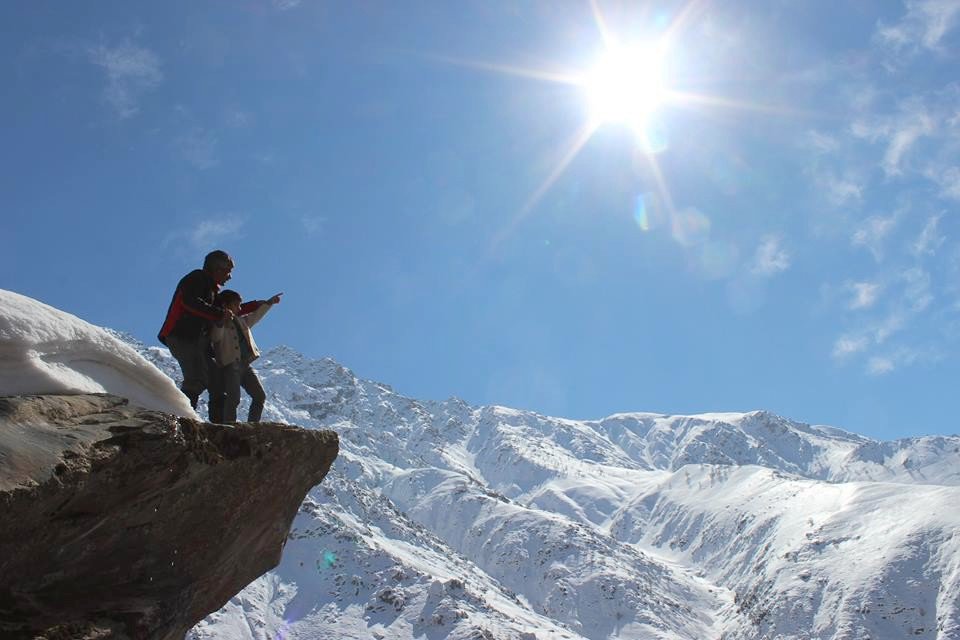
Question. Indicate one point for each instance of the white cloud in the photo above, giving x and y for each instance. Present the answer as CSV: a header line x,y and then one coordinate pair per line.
x,y
947,178
822,142
238,118
865,294
771,258
901,357
313,224
930,239
918,293
131,71
916,125
890,325
870,129
873,233
209,234
914,299
899,132
846,346
878,366
198,146
286,5
840,191
925,25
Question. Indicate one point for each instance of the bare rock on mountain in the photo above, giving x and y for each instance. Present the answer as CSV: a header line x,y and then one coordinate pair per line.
x,y
119,522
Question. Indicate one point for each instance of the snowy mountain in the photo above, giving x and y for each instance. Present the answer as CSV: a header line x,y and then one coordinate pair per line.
x,y
444,520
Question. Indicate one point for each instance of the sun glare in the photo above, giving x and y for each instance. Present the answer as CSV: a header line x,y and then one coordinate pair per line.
x,y
626,85
633,84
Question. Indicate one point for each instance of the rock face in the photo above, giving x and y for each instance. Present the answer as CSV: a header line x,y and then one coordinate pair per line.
x,y
119,522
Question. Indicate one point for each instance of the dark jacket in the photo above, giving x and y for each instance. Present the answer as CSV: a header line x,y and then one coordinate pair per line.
x,y
191,310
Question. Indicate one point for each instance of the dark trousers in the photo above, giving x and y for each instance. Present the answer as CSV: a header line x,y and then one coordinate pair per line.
x,y
199,371
235,376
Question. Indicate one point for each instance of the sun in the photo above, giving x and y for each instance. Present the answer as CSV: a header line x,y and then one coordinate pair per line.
x,y
626,85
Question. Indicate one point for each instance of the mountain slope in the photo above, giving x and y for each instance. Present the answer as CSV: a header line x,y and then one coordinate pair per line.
x,y
445,520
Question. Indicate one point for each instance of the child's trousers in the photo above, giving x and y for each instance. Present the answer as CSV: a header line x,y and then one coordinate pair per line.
x,y
235,376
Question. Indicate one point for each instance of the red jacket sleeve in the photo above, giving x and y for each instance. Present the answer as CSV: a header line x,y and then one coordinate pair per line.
x,y
250,307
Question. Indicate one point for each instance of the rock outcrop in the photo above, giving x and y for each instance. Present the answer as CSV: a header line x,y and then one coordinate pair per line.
x,y
119,522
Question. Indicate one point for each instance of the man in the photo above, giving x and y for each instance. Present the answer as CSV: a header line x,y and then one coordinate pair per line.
x,y
186,330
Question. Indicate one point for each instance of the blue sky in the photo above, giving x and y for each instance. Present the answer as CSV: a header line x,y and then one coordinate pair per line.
x,y
433,193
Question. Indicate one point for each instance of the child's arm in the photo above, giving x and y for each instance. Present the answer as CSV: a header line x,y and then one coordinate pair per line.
x,y
257,314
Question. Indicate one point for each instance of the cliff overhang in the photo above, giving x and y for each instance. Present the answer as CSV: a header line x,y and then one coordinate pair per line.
x,y
120,522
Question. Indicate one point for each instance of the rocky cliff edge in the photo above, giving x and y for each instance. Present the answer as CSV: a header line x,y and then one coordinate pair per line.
x,y
119,522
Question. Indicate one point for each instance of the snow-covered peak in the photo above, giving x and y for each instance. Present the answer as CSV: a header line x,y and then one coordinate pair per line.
x,y
324,393
442,519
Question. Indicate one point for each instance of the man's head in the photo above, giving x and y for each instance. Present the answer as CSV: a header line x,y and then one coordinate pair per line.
x,y
229,299
218,264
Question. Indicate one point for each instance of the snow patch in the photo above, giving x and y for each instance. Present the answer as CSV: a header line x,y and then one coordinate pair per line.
x,y
47,351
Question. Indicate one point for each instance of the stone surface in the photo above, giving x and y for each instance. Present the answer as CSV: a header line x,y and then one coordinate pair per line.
x,y
119,522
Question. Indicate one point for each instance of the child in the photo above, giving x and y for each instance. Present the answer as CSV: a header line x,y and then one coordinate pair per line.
x,y
235,349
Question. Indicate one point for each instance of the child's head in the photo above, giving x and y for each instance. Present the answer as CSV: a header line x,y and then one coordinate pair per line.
x,y
228,299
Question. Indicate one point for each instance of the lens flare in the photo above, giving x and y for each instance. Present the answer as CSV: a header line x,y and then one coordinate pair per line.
x,y
653,137
327,561
690,227
640,214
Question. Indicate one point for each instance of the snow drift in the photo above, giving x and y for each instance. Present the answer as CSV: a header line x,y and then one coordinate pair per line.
x,y
47,351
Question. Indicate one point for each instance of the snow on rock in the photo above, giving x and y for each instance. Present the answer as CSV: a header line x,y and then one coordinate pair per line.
x,y
121,522
47,351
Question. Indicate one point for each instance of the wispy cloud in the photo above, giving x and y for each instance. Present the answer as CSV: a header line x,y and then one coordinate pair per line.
x,y
899,132
313,225
841,191
131,71
878,365
846,346
238,118
822,142
872,234
208,234
901,139
887,326
839,187
951,274
198,146
924,25
911,297
918,290
947,178
865,294
286,5
771,258
930,239
902,357
916,124
214,232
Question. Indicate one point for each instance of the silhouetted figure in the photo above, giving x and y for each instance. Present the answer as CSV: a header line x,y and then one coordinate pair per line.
x,y
186,330
235,349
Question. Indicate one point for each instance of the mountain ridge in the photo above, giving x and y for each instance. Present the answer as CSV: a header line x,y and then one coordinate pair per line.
x,y
722,525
